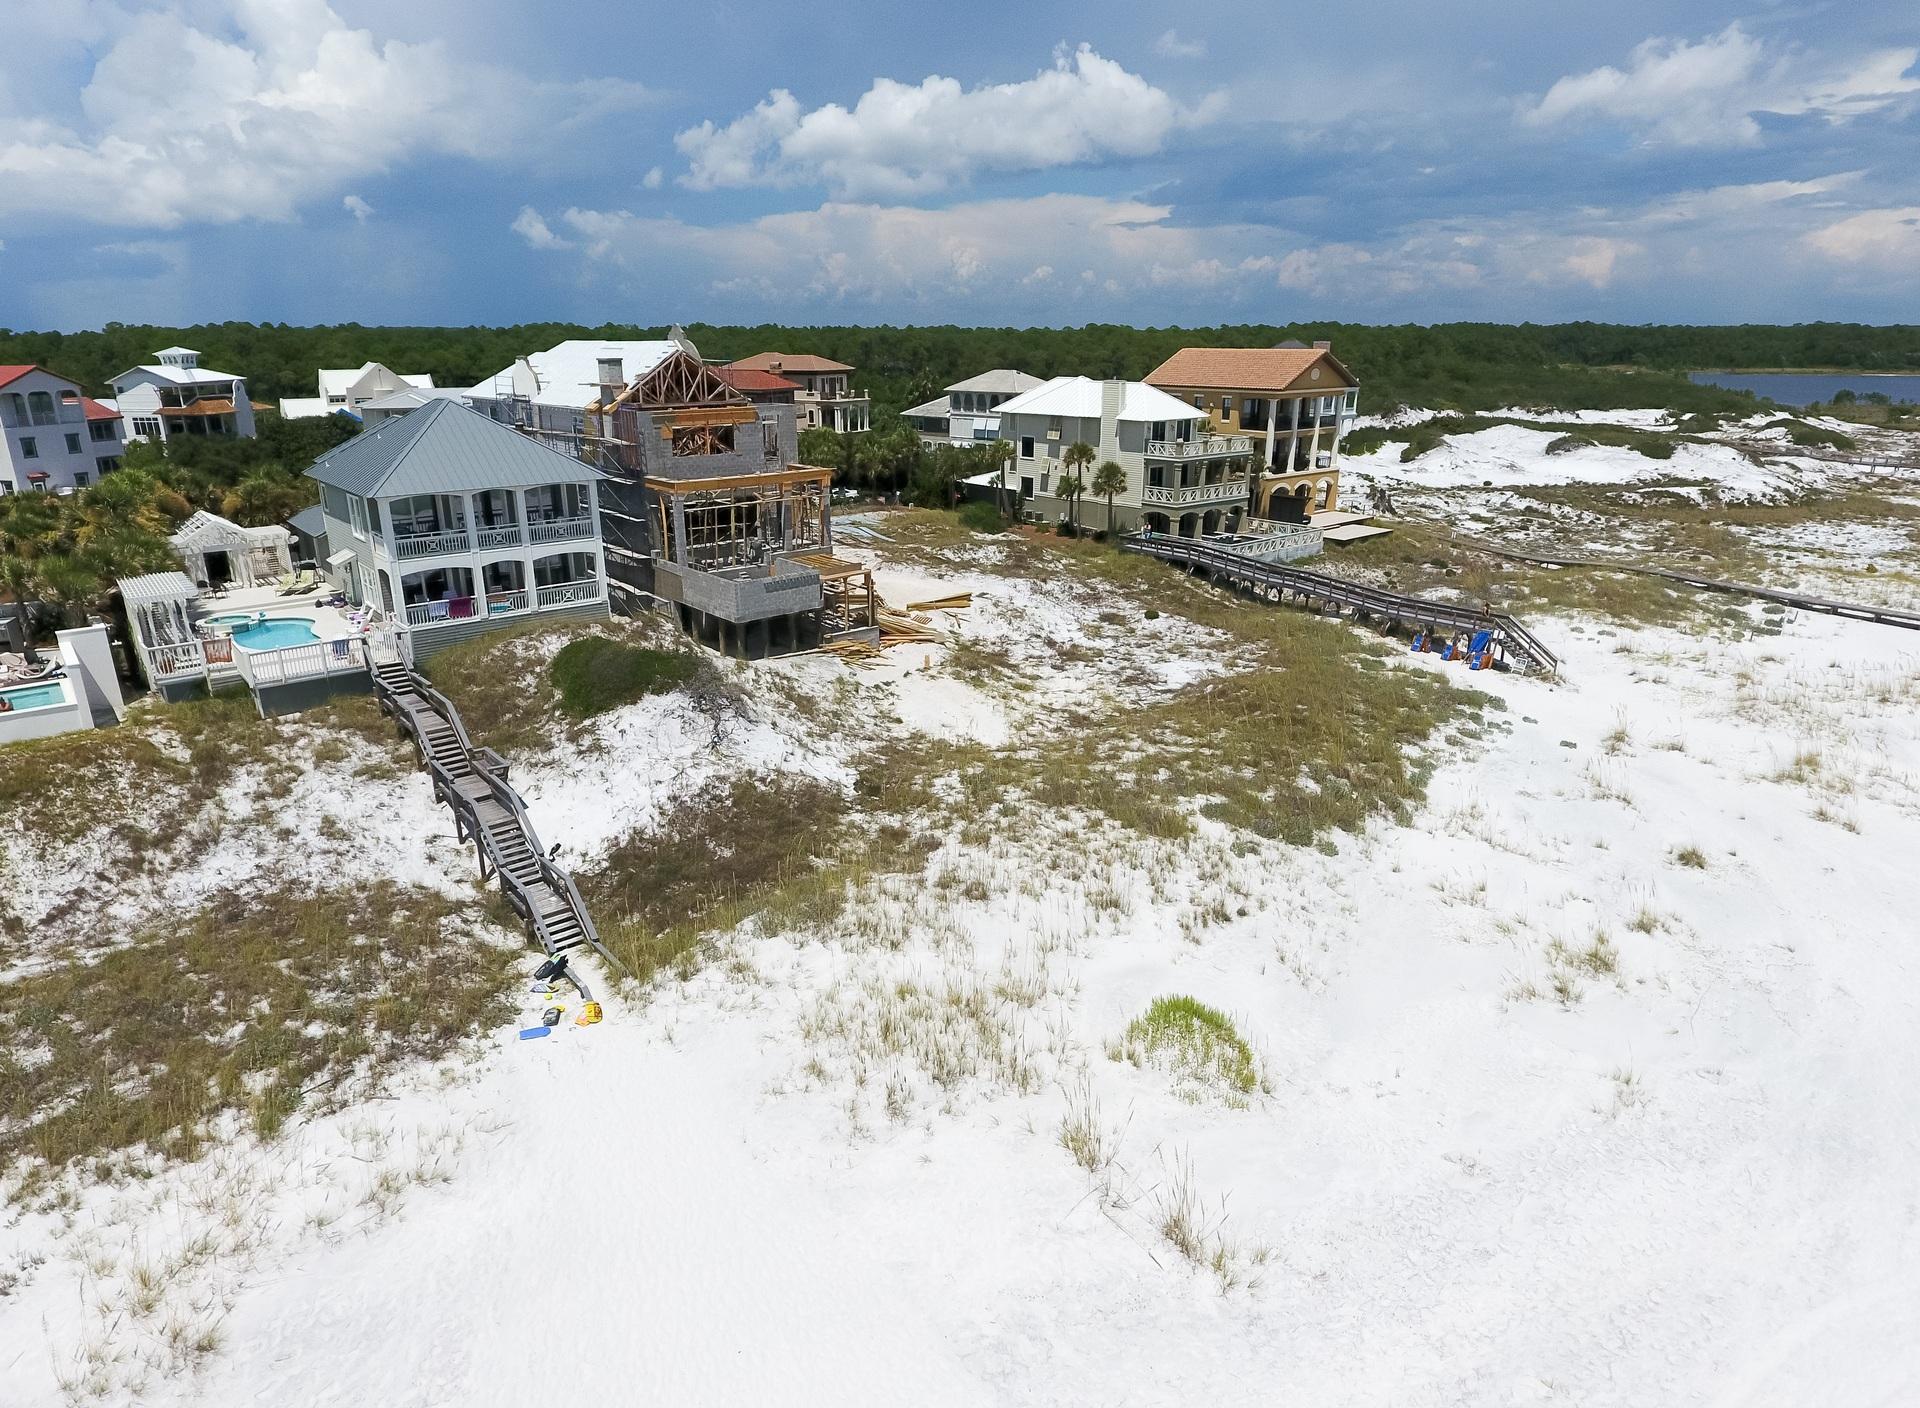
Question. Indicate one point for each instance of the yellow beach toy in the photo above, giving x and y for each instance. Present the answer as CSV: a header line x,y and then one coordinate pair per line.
x,y
588,1015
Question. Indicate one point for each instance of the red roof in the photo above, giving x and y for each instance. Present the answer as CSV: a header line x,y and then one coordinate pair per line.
x,y
8,374
790,362
753,379
96,411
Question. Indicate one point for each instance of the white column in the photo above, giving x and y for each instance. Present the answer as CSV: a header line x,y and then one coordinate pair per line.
x,y
1313,455
1293,440
1273,424
528,550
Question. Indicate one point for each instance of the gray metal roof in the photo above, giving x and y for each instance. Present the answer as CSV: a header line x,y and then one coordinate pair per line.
x,y
939,406
999,379
310,520
445,447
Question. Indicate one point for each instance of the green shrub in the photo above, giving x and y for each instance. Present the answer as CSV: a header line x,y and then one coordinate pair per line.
x,y
596,674
1567,442
1197,1043
982,517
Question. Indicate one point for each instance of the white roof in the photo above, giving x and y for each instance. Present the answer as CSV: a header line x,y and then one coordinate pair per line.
x,y
300,407
1080,396
157,586
176,352
338,381
569,374
999,379
179,376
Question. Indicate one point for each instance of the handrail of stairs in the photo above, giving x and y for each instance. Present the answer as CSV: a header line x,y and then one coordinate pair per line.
x,y
490,769
1337,590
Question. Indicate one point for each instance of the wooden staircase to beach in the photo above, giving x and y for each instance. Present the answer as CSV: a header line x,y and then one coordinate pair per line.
x,y
472,782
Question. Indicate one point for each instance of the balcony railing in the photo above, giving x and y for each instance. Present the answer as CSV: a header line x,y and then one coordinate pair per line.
x,y
560,530
506,536
429,544
1202,448
500,603
440,613
1225,491
567,593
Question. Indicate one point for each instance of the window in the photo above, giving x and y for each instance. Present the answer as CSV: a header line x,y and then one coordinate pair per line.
x,y
29,448
73,444
333,503
41,403
148,426
357,509
1199,401
98,430
15,406
80,479
1026,447
107,464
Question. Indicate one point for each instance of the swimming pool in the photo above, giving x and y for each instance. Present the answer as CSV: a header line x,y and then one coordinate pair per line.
x,y
275,635
35,696
236,620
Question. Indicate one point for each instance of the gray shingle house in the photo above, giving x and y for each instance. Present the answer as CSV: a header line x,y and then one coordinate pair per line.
x,y
451,524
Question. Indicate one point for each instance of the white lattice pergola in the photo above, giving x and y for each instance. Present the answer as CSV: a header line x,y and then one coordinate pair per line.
x,y
158,606
253,555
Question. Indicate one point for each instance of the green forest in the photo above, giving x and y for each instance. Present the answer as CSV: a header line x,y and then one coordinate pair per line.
x,y
1448,366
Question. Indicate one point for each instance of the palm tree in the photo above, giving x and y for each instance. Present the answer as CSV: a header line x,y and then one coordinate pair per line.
x,y
1002,453
1108,480
1078,456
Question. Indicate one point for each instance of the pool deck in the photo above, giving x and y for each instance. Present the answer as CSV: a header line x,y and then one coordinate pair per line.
x,y
328,623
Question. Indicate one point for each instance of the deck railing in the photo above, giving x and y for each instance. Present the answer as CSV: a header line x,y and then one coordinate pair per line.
x,y
560,530
440,613
505,536
1201,448
317,660
499,603
1226,489
428,544
566,593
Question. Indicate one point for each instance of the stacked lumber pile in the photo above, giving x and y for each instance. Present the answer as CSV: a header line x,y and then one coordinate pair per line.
x,y
959,602
906,628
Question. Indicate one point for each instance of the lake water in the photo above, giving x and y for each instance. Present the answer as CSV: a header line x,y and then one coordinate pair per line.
x,y
1795,389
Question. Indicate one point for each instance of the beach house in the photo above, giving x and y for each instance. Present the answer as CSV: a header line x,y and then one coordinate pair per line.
x,y
1180,477
347,390
824,398
449,523
968,413
175,395
53,437
1293,404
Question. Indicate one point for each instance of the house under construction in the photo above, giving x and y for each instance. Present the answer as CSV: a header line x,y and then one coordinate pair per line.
x,y
706,511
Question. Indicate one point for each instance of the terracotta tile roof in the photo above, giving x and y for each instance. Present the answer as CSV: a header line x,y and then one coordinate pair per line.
x,y
753,379
206,407
1242,368
96,411
789,362
8,374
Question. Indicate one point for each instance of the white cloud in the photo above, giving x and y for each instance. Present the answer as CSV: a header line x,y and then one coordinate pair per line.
x,y
357,208
222,110
651,181
1593,258
1171,46
1885,237
532,227
901,139
1708,93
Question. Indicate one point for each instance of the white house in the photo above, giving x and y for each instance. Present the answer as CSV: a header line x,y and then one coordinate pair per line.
x,y
384,408
52,436
451,523
1179,480
968,413
178,396
347,390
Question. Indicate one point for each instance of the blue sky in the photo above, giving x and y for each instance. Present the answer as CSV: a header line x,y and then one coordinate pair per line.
x,y
375,161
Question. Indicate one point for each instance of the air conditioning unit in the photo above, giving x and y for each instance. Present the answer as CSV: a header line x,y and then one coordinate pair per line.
x,y
1053,435
1323,461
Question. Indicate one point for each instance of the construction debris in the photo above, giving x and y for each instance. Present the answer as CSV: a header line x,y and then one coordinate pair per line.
x,y
958,602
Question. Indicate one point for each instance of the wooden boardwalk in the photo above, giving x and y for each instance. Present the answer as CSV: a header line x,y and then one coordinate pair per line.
x,y
472,782
1284,585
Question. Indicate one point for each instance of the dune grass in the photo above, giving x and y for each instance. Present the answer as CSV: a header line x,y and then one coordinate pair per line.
x,y
595,674
256,1004
1195,1043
